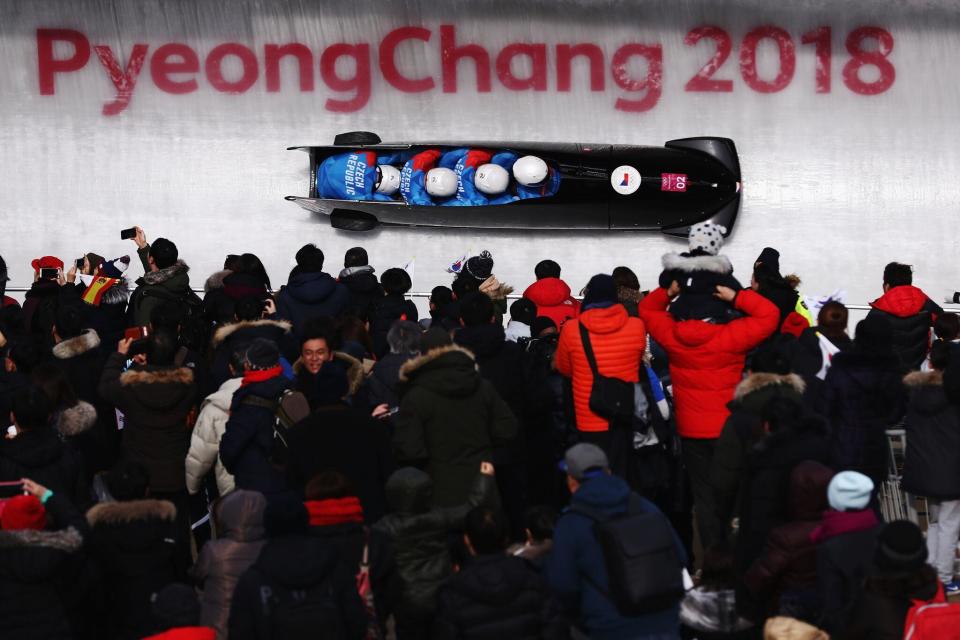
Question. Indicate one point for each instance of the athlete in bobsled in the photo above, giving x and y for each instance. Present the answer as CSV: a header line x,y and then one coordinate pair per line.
x,y
424,183
357,176
483,178
535,178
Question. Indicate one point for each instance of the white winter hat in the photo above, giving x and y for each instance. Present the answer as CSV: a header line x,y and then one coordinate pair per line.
x,y
849,491
707,236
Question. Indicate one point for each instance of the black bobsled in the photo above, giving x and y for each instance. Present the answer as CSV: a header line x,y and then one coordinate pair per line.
x,y
602,186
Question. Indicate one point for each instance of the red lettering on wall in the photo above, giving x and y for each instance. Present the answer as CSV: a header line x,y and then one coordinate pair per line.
x,y
214,68
174,58
123,80
704,81
652,83
537,53
360,82
451,54
273,54
748,59
388,61
566,53
48,66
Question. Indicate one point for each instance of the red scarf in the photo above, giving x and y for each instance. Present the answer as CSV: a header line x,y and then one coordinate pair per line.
x,y
334,511
260,375
837,523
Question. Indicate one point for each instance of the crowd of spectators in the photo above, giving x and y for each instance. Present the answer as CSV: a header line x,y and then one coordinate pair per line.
x,y
700,460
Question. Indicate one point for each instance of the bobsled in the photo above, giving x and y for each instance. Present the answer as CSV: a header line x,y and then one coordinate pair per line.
x,y
601,186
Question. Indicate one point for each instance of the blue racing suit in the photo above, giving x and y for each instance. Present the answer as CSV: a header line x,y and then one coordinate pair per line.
x,y
465,163
349,176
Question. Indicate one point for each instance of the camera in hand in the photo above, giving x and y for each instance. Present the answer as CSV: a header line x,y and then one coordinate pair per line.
x,y
79,263
126,234
47,273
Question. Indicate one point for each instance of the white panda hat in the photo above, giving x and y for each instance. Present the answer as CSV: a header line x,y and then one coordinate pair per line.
x,y
707,237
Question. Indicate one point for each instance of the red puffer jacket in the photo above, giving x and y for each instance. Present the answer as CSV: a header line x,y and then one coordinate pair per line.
x,y
553,300
618,342
706,360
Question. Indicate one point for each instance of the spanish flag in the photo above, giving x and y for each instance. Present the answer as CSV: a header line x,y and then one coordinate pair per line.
x,y
97,288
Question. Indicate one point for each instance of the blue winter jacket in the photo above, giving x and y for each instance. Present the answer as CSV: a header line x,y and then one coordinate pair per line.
x,y
465,162
311,295
349,176
577,554
247,441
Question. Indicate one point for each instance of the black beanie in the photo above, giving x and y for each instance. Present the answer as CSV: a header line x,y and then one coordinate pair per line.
x,y
900,547
770,257
523,311
480,267
600,290
541,324
263,354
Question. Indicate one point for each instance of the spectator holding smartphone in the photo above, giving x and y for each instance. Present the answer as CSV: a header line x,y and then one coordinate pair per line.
x,y
165,277
40,303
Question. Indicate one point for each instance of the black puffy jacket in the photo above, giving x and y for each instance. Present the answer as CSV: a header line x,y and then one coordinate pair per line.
x,y
933,439
863,397
35,567
41,456
419,534
495,597
911,314
365,291
290,567
134,545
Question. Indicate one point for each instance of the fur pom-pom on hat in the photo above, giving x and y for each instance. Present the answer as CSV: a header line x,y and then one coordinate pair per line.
x,y
706,237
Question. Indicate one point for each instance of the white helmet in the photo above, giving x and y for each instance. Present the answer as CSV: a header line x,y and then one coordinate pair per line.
x,y
441,182
389,179
491,179
530,170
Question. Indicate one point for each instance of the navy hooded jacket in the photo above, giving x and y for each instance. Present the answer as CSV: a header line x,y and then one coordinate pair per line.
x,y
577,555
311,295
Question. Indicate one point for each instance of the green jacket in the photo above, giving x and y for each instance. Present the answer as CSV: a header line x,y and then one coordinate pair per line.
x,y
171,282
449,421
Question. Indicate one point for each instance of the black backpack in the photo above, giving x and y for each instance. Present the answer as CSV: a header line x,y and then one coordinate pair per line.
x,y
304,613
644,571
194,329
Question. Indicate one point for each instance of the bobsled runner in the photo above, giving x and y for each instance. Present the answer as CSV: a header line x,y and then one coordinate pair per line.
x,y
596,186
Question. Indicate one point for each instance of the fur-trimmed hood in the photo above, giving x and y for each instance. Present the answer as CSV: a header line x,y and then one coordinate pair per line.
x,y
224,332
756,381
413,365
77,419
494,289
215,281
68,540
163,275
76,346
688,264
116,513
179,375
355,373
916,379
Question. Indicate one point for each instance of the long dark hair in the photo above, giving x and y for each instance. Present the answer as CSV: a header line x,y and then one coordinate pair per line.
x,y
250,264
901,584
